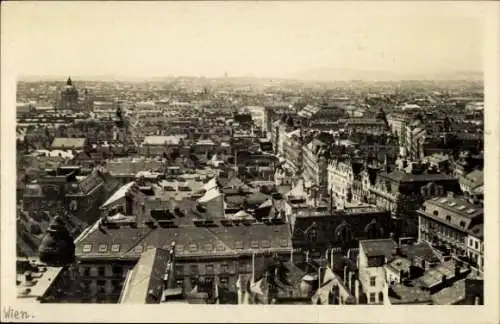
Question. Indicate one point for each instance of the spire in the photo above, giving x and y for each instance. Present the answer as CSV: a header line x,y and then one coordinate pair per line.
x,y
69,82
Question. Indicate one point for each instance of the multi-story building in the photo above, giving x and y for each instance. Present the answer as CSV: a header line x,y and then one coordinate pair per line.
x,y
447,222
315,164
414,138
66,188
403,192
364,125
341,176
292,151
208,250
372,257
318,230
397,123
475,246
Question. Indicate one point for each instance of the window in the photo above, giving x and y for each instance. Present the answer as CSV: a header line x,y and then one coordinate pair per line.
x,y
117,286
138,249
239,245
372,281
448,218
179,248
179,269
193,248
372,297
193,269
179,283
284,243
471,243
435,213
254,244
224,268
224,281
220,247
209,268
265,244
103,248
86,271
208,247
87,248
117,270
462,224
476,245
115,248
101,271
380,297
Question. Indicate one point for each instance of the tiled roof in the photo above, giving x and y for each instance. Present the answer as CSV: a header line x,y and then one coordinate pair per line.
x,y
190,240
455,211
420,250
146,276
385,247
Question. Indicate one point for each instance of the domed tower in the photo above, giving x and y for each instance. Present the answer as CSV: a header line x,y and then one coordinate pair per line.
x,y
69,97
57,247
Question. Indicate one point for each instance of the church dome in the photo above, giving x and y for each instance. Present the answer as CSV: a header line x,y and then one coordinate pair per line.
x,y
69,87
57,247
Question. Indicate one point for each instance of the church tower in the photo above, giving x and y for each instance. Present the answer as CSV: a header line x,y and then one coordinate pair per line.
x,y
68,96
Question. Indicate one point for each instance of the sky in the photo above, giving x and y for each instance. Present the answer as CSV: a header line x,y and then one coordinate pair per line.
x,y
276,39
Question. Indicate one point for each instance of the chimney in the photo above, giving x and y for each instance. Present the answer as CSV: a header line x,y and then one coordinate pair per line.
x,y
28,276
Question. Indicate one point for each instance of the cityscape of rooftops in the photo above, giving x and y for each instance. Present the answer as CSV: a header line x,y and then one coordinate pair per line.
x,y
324,188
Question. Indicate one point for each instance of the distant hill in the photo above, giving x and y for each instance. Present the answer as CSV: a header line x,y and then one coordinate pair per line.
x,y
329,74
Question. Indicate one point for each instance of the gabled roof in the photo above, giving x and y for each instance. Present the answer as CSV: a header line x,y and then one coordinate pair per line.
x,y
120,193
146,278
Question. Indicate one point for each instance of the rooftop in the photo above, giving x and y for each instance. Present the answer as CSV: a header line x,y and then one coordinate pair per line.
x,y
145,281
383,247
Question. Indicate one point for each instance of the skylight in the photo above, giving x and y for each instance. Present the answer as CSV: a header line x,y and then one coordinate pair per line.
x,y
442,201
461,207
451,204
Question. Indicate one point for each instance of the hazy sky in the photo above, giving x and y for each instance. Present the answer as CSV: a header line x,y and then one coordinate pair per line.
x,y
241,38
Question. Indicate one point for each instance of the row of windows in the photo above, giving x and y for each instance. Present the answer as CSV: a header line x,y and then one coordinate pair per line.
x,y
101,271
474,243
103,248
373,297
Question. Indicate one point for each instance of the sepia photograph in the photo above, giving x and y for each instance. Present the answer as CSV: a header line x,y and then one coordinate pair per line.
x,y
232,153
